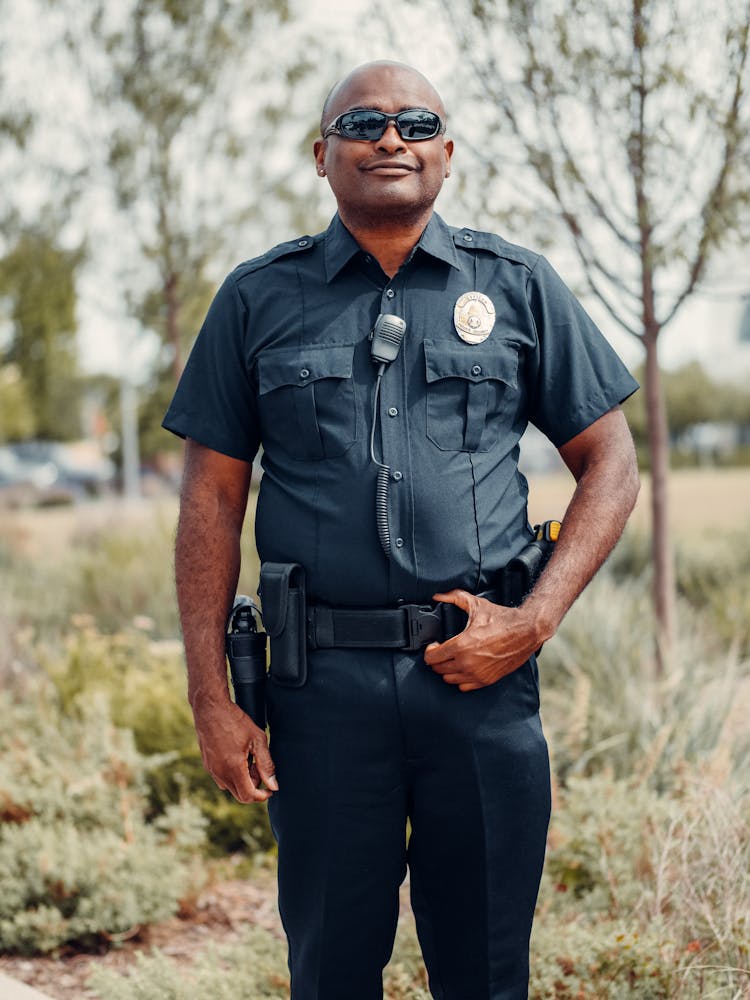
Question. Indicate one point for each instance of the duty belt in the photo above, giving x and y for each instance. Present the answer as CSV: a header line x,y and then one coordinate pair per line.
x,y
408,626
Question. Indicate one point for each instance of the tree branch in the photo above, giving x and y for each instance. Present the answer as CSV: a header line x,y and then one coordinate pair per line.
x,y
712,208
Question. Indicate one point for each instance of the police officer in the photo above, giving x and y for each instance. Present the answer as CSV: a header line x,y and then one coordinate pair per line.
x,y
445,736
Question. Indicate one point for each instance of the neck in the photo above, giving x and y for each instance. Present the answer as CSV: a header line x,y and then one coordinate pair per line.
x,y
390,243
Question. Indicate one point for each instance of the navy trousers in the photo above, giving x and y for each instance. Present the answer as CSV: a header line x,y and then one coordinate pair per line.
x,y
374,739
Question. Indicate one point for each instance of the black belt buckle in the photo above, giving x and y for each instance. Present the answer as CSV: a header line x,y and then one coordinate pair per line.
x,y
424,624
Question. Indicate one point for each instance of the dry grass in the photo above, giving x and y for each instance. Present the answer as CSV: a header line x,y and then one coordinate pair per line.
x,y
702,500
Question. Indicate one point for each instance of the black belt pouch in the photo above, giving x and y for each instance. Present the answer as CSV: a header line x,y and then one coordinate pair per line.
x,y
282,594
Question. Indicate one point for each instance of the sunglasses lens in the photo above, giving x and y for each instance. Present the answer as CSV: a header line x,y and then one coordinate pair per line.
x,y
417,125
367,125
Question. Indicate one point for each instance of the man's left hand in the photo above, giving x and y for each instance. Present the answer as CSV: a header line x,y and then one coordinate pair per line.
x,y
495,642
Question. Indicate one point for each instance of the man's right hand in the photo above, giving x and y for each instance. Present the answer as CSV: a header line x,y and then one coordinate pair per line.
x,y
235,752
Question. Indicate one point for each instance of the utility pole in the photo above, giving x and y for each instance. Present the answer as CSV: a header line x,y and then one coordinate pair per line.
x,y
131,482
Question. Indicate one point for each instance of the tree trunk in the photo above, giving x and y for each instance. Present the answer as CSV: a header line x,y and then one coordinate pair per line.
x,y
661,547
173,325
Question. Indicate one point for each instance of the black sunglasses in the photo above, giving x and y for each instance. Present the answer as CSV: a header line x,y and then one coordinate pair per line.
x,y
368,125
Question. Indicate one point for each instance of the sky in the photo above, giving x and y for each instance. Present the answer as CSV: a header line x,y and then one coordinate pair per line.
x,y
705,330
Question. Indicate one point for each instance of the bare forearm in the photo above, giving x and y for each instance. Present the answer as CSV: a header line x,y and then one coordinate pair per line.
x,y
207,565
605,495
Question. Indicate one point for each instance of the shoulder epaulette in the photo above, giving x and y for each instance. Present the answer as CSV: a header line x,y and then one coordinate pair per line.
x,y
472,239
298,245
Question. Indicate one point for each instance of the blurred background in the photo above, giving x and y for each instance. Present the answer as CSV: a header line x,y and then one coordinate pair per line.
x,y
149,146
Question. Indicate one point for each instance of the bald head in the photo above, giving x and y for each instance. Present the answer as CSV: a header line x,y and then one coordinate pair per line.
x,y
383,72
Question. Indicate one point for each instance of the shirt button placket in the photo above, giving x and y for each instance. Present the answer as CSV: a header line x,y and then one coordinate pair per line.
x,y
395,445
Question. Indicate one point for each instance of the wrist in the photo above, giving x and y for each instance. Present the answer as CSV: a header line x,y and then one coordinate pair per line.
x,y
544,618
208,698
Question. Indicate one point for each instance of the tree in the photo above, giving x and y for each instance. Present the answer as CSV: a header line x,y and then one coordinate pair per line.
x,y
15,120
38,288
188,165
628,127
186,114
17,419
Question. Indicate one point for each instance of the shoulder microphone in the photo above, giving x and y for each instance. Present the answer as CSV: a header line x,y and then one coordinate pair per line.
x,y
385,343
385,339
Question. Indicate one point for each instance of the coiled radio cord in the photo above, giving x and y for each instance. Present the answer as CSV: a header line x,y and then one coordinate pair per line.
x,y
385,343
382,484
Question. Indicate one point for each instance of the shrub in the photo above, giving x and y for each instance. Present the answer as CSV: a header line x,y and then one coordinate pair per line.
x,y
78,861
143,684
251,968
644,895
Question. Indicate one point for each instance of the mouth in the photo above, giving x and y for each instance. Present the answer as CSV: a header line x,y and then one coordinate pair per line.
x,y
389,168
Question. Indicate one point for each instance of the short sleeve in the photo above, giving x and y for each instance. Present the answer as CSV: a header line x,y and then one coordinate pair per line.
x,y
578,376
214,403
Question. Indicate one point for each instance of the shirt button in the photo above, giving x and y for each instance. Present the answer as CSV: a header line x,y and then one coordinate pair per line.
x,y
368,259
392,411
398,476
468,238
476,370
303,243
304,373
390,293
399,543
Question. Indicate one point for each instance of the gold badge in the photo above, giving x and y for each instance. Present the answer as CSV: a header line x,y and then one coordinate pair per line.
x,y
474,317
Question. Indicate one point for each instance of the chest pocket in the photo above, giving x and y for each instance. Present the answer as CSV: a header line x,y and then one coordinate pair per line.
x,y
307,400
469,391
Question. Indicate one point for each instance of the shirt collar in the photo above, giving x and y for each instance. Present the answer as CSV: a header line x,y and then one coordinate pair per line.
x,y
340,245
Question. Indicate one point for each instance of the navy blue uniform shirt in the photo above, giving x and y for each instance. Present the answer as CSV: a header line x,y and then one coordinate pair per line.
x,y
283,361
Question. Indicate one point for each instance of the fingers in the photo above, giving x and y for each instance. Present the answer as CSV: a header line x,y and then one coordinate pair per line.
x,y
461,598
239,781
438,654
243,768
263,763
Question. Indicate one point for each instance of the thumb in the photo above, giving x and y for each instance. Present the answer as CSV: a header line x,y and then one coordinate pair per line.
x,y
263,761
461,598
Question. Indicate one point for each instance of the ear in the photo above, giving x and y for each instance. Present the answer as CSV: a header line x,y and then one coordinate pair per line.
x,y
448,153
319,149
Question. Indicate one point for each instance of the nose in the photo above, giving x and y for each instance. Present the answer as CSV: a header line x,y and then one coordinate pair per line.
x,y
391,141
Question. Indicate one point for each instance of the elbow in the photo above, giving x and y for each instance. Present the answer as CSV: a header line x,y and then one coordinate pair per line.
x,y
631,479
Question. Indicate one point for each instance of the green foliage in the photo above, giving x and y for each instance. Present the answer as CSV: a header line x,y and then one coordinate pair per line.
x,y
17,419
644,895
251,968
37,281
78,861
167,74
143,683
691,397
600,836
111,632
646,892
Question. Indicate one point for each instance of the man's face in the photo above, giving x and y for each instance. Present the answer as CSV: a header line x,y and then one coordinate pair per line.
x,y
389,179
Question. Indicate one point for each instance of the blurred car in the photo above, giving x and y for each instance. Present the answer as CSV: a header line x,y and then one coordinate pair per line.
x,y
40,473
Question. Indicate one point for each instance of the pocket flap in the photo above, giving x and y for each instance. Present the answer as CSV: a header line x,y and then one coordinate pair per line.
x,y
276,579
299,366
475,363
